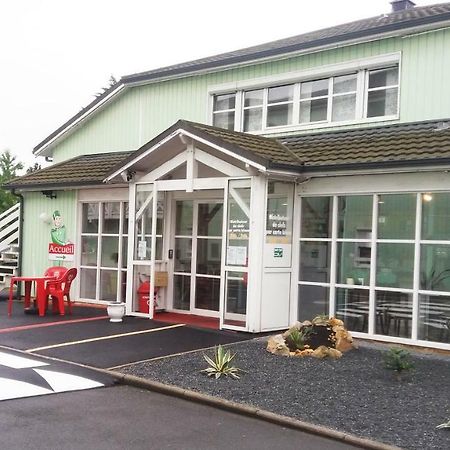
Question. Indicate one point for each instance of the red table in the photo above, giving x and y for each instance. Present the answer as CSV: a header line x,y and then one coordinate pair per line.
x,y
40,292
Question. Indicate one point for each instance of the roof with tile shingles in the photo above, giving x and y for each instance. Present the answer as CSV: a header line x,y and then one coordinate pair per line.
x,y
80,171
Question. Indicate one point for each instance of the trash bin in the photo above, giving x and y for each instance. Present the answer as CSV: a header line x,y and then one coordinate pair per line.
x,y
144,296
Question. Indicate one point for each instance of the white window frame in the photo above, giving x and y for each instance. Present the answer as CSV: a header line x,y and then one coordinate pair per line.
x,y
415,290
360,66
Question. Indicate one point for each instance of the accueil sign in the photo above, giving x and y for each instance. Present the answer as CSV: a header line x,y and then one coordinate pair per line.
x,y
60,248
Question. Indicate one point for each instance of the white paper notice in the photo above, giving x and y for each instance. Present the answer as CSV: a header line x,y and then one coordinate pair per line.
x,y
142,249
237,256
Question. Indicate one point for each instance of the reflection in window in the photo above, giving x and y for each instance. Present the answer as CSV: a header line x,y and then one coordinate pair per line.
x,y
396,216
352,307
434,318
353,264
223,111
382,99
393,313
395,265
355,217
435,267
436,216
316,217
313,301
315,261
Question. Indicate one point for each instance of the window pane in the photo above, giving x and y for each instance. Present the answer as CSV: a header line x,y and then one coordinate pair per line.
x,y
313,110
396,216
224,120
436,216
355,217
88,283
111,218
90,218
209,253
395,265
317,88
434,318
279,115
207,293
225,101
253,98
184,217
345,83
383,77
281,94
393,313
435,267
183,255
353,264
352,307
253,119
125,252
182,292
110,251
315,261
89,246
313,301
125,219
210,217
236,299
280,204
382,103
344,107
108,285
316,217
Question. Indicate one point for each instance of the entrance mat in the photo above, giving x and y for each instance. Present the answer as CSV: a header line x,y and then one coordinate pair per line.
x,y
70,332
191,319
19,318
129,349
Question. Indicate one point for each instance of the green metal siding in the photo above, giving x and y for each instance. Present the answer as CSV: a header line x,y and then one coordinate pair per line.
x,y
36,233
143,112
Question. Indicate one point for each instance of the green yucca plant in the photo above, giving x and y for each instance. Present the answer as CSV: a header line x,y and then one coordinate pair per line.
x,y
221,364
444,425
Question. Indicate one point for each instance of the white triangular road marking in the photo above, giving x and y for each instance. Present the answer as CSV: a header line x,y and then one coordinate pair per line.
x,y
19,362
63,382
17,389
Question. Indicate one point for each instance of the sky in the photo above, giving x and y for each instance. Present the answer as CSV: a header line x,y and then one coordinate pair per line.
x,y
55,55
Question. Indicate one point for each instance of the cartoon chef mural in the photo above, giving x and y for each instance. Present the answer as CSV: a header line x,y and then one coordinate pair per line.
x,y
60,249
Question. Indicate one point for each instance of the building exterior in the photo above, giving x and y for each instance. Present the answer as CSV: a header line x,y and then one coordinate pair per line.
x,y
301,177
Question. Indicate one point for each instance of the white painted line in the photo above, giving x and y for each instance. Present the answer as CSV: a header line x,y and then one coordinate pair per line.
x,y
104,338
17,389
64,382
19,362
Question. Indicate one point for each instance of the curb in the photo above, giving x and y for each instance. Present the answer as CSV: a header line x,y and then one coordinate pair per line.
x,y
246,410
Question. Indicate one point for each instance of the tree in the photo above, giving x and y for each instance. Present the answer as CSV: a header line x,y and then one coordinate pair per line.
x,y
34,168
9,166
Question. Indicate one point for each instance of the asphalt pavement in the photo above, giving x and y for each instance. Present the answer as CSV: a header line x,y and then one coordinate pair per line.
x,y
124,417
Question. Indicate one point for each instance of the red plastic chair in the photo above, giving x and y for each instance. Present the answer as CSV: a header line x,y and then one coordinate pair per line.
x,y
60,288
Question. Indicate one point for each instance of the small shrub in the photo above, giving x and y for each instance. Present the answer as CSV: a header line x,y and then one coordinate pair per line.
x,y
397,359
221,364
444,425
297,338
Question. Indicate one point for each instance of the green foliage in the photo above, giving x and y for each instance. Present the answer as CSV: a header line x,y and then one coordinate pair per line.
x,y
221,364
397,359
34,168
444,425
298,338
9,166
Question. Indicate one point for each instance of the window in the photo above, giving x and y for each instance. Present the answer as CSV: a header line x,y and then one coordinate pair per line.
x,y
359,255
357,95
224,111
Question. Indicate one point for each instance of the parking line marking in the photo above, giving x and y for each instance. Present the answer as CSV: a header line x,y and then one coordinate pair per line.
x,y
104,338
50,324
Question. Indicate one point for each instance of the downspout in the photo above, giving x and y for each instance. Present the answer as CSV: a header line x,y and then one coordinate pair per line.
x,y
21,201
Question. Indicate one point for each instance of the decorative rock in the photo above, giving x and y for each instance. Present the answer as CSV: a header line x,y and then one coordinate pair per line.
x,y
277,345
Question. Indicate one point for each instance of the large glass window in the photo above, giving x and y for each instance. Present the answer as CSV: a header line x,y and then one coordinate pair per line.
x,y
103,258
368,263
333,99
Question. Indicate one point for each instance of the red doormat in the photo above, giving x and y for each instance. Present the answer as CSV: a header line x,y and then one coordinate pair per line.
x,y
190,319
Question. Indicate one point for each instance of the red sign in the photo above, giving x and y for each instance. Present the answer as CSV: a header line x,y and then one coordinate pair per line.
x,y
58,252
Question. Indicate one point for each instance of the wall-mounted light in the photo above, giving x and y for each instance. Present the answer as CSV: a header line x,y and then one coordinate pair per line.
x,y
427,197
44,217
49,194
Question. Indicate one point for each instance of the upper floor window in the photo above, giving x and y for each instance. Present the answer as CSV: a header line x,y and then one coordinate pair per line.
x,y
355,96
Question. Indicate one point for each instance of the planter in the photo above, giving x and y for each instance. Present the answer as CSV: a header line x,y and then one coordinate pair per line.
x,y
116,311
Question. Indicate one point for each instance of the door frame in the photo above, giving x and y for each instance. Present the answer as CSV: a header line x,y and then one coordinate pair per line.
x,y
197,198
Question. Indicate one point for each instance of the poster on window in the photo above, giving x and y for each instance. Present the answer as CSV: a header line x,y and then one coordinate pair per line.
x,y
60,248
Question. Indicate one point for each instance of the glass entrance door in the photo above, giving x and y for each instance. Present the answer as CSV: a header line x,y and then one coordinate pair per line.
x,y
198,256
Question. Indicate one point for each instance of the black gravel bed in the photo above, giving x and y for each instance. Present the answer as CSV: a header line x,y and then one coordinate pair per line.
x,y
354,394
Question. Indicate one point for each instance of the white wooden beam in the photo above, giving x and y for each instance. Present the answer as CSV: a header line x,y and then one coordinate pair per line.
x,y
219,164
165,168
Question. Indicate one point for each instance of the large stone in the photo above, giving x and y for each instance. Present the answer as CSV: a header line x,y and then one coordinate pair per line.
x,y
277,345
